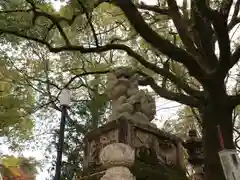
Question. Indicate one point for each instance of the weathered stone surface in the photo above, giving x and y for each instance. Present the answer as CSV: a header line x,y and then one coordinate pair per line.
x,y
165,152
117,154
144,171
151,145
118,173
127,100
95,145
129,140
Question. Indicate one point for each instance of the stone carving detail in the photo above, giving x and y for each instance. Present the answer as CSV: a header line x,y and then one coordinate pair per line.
x,y
117,154
117,157
104,150
166,152
95,146
118,173
127,100
108,138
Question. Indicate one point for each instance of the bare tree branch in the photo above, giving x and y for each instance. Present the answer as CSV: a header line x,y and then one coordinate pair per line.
x,y
163,45
221,30
129,51
226,65
159,42
161,91
235,56
15,10
235,19
233,23
184,99
55,22
203,34
181,27
152,8
163,72
233,60
225,8
237,138
57,18
85,74
90,22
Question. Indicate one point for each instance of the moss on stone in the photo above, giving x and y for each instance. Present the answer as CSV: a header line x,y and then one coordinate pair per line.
x,y
144,171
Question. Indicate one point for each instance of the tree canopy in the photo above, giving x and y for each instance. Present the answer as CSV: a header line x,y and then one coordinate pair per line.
x,y
16,102
185,55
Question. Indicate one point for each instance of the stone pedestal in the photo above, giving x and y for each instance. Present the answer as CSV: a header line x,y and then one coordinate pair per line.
x,y
118,173
117,158
148,152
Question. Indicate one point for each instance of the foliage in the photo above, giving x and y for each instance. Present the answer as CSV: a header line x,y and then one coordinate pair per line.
x,y
187,118
84,116
16,100
183,55
19,166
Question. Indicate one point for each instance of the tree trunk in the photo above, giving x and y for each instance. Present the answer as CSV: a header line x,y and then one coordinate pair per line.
x,y
216,113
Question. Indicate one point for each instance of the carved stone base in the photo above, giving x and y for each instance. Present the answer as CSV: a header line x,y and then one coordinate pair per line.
x,y
151,153
117,154
118,173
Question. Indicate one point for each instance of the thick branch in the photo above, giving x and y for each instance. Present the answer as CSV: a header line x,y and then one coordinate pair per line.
x,y
163,72
234,101
181,27
159,42
90,22
54,21
221,29
203,34
233,23
168,75
183,99
41,13
226,66
235,18
38,12
84,74
155,8
225,8
235,57
15,10
145,31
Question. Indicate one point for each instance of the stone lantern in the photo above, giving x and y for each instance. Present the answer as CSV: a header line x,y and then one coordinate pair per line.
x,y
194,146
128,146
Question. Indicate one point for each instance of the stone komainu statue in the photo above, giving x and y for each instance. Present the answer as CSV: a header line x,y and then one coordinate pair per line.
x,y
127,100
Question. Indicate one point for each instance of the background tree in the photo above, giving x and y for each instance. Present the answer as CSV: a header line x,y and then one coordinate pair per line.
x,y
92,115
200,45
16,102
187,118
47,75
84,116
